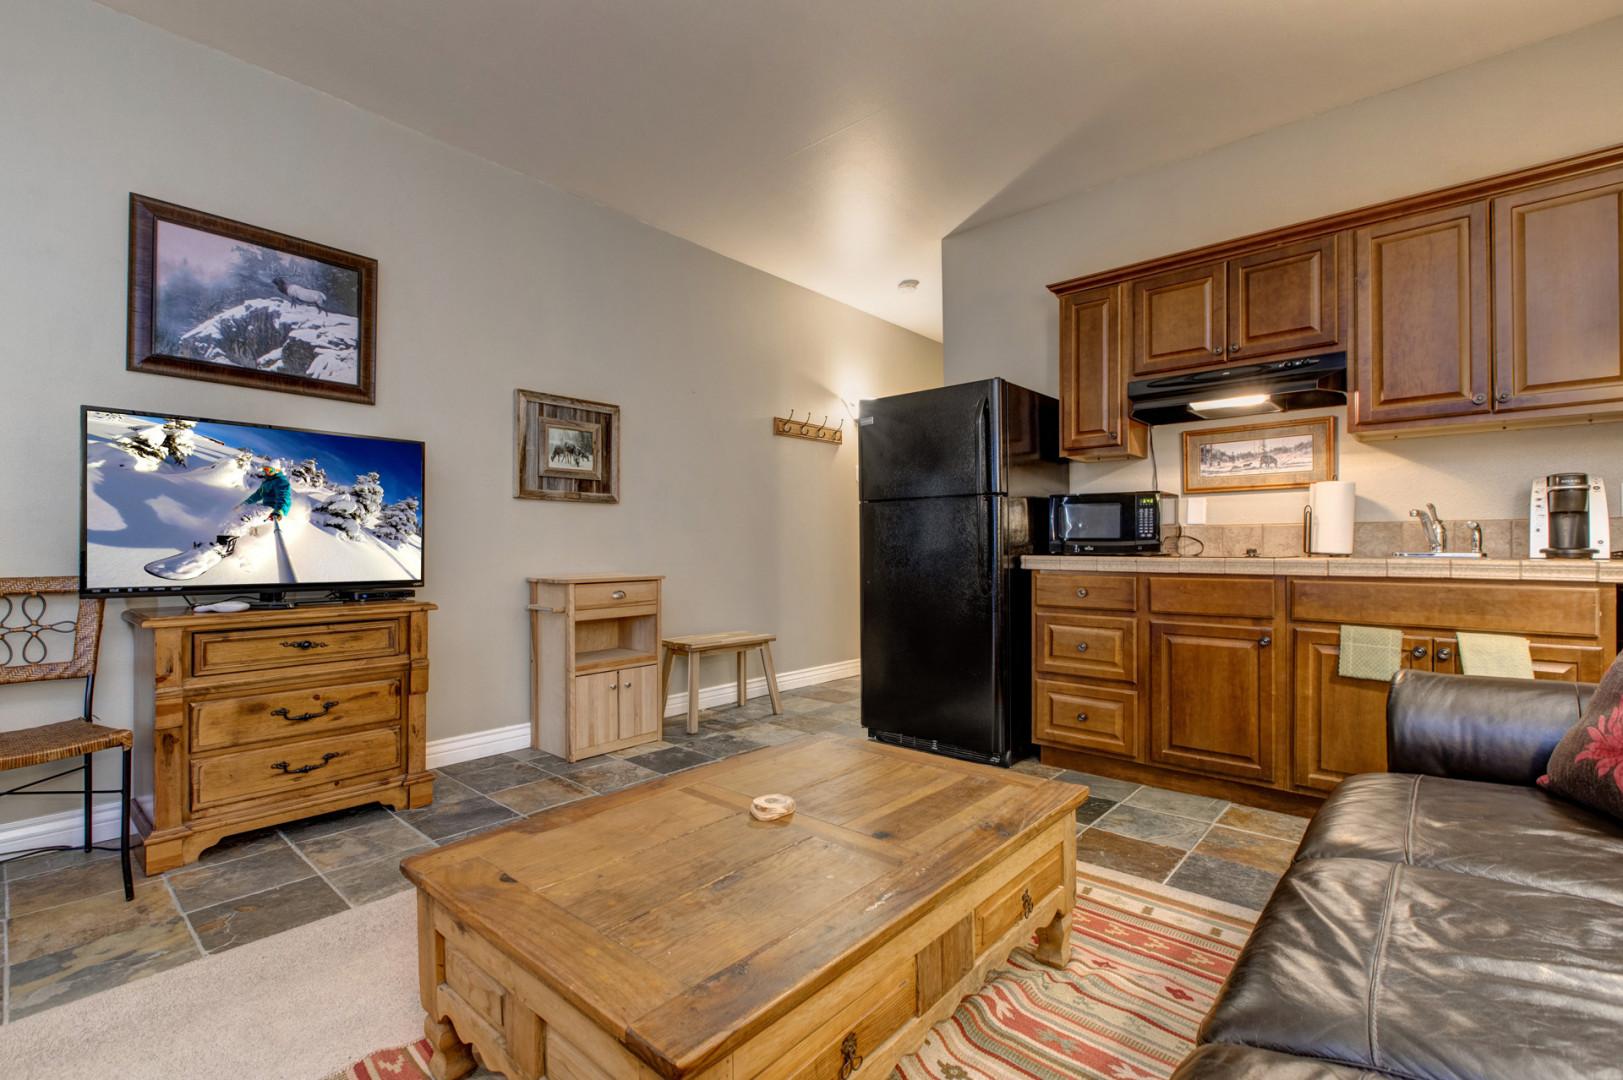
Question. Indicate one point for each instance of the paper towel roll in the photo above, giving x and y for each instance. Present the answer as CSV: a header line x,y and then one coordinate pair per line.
x,y
1332,503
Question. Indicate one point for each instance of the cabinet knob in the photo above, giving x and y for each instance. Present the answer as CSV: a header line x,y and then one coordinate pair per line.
x,y
618,594
1264,641
1502,396
1081,717
1478,399
1234,347
626,685
1217,350
1445,654
1081,594
1418,652
1081,646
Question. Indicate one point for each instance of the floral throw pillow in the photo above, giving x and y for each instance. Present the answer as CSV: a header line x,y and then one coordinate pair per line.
x,y
1587,766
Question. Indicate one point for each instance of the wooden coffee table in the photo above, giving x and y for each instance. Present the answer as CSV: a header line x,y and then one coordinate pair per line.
x,y
660,931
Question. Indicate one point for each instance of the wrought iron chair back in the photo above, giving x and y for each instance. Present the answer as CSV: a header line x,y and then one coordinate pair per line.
x,y
24,649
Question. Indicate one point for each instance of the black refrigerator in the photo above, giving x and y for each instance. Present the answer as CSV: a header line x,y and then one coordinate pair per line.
x,y
953,485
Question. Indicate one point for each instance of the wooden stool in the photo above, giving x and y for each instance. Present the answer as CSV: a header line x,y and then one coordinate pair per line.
x,y
694,646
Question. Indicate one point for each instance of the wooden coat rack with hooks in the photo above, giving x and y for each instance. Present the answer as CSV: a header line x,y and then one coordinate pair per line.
x,y
805,429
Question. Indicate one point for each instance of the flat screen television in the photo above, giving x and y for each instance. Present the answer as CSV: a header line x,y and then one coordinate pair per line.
x,y
184,504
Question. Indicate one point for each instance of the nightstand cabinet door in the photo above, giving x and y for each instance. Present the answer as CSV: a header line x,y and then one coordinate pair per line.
x,y
639,702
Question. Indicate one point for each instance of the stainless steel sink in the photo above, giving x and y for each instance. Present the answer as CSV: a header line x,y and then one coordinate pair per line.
x,y
1437,555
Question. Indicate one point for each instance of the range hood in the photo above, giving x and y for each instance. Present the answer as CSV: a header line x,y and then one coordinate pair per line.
x,y
1304,382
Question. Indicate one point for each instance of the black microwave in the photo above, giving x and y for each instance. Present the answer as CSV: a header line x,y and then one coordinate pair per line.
x,y
1110,523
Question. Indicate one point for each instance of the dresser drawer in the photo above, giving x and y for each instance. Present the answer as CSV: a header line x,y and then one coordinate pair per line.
x,y
218,652
615,594
1103,719
1098,646
998,913
837,1047
294,713
272,770
1087,592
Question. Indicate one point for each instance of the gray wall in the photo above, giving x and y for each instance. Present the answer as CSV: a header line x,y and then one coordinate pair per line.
x,y
488,281
1538,103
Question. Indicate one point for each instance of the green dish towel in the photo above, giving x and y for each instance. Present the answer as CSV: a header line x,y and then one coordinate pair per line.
x,y
1500,656
1370,652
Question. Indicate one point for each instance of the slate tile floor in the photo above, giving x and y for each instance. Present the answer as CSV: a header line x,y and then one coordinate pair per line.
x,y
65,931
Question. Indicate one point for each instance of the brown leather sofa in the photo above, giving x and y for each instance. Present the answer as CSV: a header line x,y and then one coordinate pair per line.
x,y
1445,919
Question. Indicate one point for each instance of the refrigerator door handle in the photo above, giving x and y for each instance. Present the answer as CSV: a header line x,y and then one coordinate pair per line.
x,y
982,458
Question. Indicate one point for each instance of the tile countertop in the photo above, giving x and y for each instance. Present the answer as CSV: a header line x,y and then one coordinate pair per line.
x,y
1608,570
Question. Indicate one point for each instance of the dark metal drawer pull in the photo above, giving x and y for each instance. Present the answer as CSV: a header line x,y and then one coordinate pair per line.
x,y
1081,594
1418,652
326,759
1265,641
850,1060
1026,906
1445,653
1081,717
326,707
1081,646
302,645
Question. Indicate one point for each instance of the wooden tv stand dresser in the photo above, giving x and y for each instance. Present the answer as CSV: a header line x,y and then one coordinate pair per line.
x,y
261,717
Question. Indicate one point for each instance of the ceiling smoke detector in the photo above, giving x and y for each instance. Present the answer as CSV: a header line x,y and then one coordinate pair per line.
x,y
908,284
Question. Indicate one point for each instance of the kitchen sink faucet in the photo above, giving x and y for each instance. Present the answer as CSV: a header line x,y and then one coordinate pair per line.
x,y
1436,531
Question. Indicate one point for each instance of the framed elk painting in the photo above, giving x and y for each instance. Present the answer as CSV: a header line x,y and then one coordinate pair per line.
x,y
215,299
566,448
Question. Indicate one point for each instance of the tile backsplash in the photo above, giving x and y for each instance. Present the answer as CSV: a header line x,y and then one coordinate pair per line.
x,y
1502,538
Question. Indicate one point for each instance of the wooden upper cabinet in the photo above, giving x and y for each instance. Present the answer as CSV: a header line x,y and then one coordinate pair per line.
x,y
1179,319
1422,339
1094,419
1283,299
1212,698
1558,319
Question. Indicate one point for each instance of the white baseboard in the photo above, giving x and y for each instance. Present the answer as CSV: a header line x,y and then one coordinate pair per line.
x,y
67,827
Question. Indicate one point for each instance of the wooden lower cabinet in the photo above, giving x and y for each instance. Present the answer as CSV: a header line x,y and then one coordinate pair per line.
x,y
1338,724
1212,697
1226,686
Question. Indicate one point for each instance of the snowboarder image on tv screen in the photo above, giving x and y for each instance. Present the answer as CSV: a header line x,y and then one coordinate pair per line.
x,y
269,504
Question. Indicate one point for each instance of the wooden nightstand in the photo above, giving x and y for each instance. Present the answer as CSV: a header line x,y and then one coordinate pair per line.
x,y
594,655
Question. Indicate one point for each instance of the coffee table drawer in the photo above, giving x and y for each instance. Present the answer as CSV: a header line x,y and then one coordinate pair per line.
x,y
998,913
293,713
837,1048
216,652
291,768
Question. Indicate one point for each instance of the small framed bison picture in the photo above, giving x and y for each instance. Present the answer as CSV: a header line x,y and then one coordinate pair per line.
x,y
219,300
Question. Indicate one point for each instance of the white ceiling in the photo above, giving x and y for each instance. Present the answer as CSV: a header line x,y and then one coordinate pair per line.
x,y
835,142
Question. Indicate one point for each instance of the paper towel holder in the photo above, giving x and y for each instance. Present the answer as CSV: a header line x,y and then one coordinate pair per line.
x,y
1307,538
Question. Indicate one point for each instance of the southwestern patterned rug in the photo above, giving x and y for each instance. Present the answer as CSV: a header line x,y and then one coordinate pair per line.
x,y
1146,962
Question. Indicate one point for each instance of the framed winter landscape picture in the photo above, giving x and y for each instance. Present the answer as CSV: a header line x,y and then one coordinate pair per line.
x,y
216,299
566,448
1260,457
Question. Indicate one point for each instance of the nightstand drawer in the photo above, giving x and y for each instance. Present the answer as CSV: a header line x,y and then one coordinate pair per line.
x,y
216,652
294,768
609,594
294,713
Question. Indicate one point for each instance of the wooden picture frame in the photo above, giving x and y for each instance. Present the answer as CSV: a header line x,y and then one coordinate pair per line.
x,y
561,436
252,322
536,417
1241,458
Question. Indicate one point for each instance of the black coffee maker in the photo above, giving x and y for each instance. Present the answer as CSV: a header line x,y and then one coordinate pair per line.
x,y
1567,518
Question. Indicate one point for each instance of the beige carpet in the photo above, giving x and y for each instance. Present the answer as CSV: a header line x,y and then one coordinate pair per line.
x,y
297,1006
